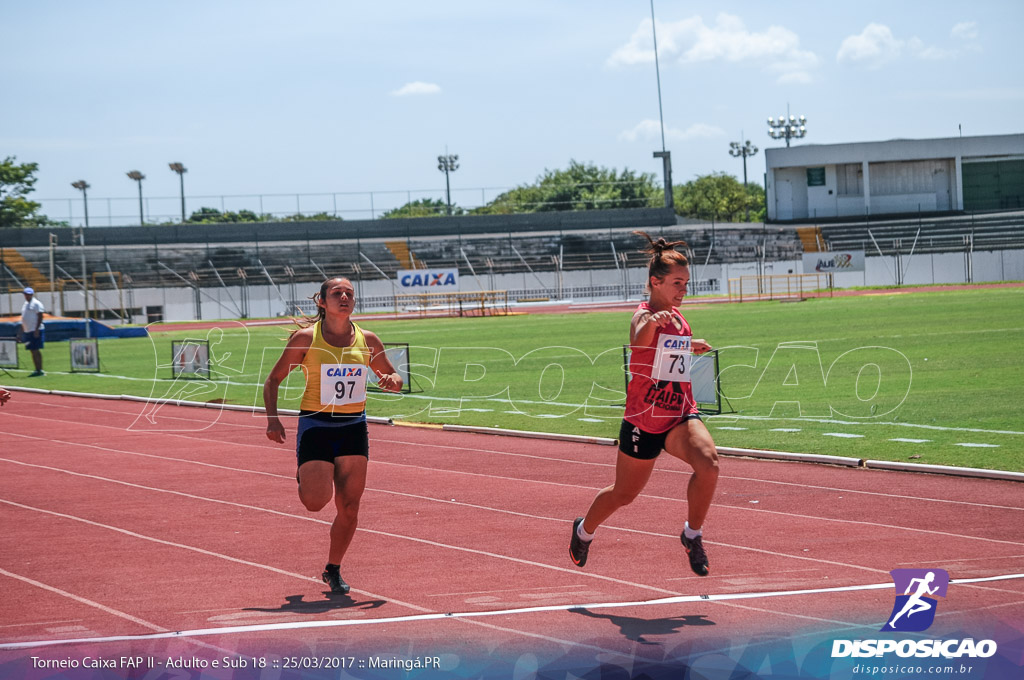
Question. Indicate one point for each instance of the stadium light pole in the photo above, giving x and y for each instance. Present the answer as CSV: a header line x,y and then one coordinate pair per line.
x,y
744,149
448,163
181,170
665,156
787,127
138,177
83,186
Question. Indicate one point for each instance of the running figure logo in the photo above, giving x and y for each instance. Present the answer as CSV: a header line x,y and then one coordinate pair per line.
x,y
914,610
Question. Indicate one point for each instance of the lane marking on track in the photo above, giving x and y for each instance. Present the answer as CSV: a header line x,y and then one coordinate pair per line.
x,y
521,514
470,550
508,590
449,447
711,419
516,479
832,421
89,603
266,567
439,616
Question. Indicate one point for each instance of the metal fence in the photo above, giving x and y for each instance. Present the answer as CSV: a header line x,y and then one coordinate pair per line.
x,y
349,205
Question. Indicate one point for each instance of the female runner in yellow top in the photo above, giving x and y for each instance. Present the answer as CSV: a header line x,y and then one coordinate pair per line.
x,y
331,445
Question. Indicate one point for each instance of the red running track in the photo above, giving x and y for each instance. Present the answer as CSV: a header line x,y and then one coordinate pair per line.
x,y
121,526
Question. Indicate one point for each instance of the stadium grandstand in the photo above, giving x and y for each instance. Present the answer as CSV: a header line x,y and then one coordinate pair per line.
x,y
562,255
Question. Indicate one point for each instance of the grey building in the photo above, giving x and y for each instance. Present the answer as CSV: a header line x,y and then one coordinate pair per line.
x,y
895,177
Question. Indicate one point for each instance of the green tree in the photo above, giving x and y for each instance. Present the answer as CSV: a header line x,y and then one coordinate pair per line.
x,y
16,182
316,217
213,216
579,187
718,196
423,207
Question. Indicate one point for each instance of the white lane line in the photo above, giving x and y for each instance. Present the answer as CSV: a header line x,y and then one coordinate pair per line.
x,y
508,590
201,551
978,446
815,560
448,447
530,516
986,558
36,624
725,427
515,479
275,570
279,513
910,441
844,435
438,616
89,603
833,421
785,429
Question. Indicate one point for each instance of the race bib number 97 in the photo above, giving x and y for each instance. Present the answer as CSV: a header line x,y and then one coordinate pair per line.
x,y
672,359
342,384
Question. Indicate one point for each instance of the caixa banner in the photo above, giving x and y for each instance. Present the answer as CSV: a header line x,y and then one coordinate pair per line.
x,y
428,280
834,262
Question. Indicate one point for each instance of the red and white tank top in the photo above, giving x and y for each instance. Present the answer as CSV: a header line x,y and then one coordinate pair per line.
x,y
659,393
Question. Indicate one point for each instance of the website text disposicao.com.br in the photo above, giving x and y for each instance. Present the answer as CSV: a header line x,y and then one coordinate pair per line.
x,y
903,670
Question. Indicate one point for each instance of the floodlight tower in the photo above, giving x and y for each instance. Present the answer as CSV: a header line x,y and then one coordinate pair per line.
x,y
83,186
181,170
787,127
744,149
138,177
448,163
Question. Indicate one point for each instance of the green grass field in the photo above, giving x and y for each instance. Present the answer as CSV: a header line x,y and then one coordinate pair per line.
x,y
924,377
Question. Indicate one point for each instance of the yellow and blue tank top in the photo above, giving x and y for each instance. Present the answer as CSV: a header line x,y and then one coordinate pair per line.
x,y
336,377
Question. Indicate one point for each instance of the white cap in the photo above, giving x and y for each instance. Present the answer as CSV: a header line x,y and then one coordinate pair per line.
x,y
29,291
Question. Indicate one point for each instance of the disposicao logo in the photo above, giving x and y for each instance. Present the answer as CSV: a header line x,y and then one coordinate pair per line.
x,y
914,611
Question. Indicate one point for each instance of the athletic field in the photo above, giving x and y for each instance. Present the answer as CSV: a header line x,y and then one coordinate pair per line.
x,y
919,377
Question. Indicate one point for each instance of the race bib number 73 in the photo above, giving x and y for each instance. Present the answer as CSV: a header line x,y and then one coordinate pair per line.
x,y
672,358
342,384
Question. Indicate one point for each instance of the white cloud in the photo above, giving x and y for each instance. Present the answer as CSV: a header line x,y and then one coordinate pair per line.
x,y
692,41
876,45
650,130
965,30
415,88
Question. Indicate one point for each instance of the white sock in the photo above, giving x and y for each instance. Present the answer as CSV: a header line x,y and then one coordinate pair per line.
x,y
582,533
690,533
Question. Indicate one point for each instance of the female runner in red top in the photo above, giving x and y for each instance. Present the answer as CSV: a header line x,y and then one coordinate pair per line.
x,y
660,410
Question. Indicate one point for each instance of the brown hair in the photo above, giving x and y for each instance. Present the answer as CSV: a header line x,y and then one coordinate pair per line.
x,y
307,321
663,255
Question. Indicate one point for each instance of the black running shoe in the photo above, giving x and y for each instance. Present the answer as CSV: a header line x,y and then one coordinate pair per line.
x,y
578,548
695,551
336,582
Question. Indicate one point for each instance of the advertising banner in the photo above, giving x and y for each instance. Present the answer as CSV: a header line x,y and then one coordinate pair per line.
x,y
190,359
834,262
85,355
8,353
427,280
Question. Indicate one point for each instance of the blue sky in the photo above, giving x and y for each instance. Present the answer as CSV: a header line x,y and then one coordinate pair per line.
x,y
318,97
